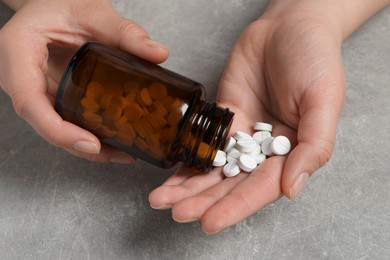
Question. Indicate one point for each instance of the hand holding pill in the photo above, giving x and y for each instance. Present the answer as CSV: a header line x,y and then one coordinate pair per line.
x,y
286,71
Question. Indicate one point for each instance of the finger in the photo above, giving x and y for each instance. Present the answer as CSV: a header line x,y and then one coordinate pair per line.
x,y
111,28
158,201
166,196
261,187
37,110
316,136
23,79
193,208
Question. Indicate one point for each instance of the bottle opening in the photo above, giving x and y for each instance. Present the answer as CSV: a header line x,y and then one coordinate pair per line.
x,y
207,133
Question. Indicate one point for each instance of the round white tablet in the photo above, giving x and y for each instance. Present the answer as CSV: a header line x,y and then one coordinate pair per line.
x,y
261,126
256,150
266,146
247,163
231,159
230,143
231,169
260,136
259,158
280,145
246,145
234,153
220,159
242,135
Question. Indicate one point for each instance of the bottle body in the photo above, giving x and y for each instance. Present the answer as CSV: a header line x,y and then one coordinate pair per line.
x,y
141,108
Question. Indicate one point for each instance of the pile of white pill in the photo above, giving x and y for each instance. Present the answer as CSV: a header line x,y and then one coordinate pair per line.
x,y
244,152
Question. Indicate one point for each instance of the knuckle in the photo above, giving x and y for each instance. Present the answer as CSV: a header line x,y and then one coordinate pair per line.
x,y
321,152
20,102
128,27
243,200
50,134
272,182
324,154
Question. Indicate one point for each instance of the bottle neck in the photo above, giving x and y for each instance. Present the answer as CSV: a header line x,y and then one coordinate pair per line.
x,y
205,133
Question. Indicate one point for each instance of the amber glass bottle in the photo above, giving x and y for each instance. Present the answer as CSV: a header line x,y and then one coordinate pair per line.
x,y
141,108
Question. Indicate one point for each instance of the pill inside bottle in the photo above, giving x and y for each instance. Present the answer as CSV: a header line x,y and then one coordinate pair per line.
x,y
141,108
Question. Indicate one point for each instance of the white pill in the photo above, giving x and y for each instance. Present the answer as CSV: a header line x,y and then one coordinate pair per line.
x,y
234,153
246,163
266,146
259,158
231,169
231,159
220,159
255,150
230,143
280,145
260,136
246,145
261,126
242,135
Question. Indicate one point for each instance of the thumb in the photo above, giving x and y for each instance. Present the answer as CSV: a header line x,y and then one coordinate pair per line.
x,y
316,137
110,28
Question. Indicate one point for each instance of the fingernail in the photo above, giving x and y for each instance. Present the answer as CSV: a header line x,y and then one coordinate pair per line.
x,y
210,232
152,43
186,220
166,206
298,185
86,147
122,159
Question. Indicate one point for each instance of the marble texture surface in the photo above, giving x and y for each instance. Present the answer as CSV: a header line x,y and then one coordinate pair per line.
x,y
56,206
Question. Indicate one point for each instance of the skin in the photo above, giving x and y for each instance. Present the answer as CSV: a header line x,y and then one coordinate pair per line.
x,y
52,30
289,67
287,64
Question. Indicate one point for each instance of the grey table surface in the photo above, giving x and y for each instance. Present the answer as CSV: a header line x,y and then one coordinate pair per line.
x,y
56,206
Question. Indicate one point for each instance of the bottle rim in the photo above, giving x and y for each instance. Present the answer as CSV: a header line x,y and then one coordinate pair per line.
x,y
207,123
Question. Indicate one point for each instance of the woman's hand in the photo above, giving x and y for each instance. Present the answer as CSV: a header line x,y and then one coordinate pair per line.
x,y
286,69
35,46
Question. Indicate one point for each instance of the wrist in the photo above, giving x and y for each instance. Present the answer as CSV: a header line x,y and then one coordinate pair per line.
x,y
341,17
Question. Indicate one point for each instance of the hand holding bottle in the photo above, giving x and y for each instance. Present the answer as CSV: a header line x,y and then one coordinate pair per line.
x,y
35,46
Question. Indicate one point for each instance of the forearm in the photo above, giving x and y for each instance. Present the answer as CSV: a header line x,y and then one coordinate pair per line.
x,y
355,13
14,4
343,16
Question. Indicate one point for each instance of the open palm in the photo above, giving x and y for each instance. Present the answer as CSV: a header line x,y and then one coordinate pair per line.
x,y
287,74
